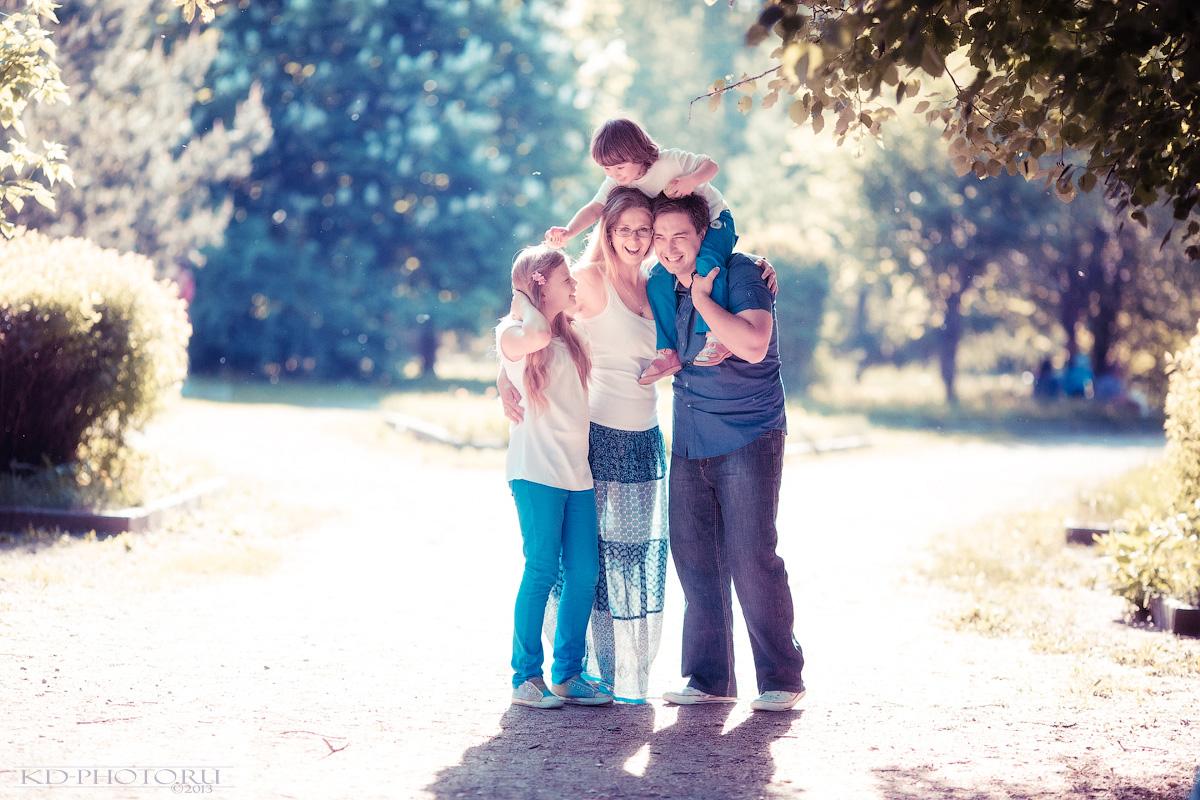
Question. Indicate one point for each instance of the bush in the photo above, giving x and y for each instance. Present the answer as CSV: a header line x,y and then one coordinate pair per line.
x,y
1159,551
91,345
1183,422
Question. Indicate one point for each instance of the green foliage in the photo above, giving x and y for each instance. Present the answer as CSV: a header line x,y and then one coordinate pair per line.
x,y
417,145
205,9
1183,423
133,84
28,73
1033,83
90,347
1160,552
1155,556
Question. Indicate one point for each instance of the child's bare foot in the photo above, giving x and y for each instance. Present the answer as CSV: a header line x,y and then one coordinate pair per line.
x,y
664,364
713,353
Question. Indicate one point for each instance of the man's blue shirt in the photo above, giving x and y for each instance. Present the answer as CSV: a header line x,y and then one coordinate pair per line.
x,y
721,409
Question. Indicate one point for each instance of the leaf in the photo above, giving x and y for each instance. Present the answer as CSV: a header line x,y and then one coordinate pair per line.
x,y
798,112
745,104
714,102
921,106
931,61
771,98
1166,238
1087,181
1139,217
818,121
865,119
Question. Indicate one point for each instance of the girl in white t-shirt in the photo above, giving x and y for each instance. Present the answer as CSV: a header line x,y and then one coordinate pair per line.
x,y
630,157
547,469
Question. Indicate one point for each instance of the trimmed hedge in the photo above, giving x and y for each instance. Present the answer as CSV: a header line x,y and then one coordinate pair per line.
x,y
91,345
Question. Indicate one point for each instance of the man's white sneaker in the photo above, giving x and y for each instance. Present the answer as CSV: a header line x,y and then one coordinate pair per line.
x,y
691,696
777,701
534,694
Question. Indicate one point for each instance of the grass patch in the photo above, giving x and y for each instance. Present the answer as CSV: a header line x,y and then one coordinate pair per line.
x,y
1017,577
912,398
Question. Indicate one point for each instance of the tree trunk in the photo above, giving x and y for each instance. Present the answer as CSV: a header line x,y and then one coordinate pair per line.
x,y
427,347
948,345
1110,276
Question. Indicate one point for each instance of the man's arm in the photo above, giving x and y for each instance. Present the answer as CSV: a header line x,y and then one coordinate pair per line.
x,y
746,333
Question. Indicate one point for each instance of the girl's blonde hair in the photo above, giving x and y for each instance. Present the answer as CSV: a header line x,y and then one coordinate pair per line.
x,y
543,261
622,141
599,249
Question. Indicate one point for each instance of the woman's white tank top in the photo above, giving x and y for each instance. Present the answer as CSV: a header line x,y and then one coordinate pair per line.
x,y
622,345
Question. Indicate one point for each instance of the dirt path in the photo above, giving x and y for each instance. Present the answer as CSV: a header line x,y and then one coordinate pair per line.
x,y
368,658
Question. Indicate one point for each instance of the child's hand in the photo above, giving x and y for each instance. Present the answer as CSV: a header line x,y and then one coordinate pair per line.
x,y
557,237
768,274
704,283
679,187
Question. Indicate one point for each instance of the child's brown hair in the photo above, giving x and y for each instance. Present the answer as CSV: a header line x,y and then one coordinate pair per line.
x,y
622,141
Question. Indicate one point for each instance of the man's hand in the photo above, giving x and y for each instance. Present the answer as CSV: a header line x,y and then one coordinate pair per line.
x,y
679,187
768,274
703,284
557,236
510,398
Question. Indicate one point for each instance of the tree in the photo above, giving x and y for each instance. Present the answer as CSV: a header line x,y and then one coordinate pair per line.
x,y
28,72
1074,93
414,147
951,238
145,179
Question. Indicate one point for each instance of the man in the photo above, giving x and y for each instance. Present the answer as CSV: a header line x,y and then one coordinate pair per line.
x,y
726,465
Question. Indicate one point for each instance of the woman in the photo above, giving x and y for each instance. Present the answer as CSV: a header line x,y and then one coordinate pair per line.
x,y
626,451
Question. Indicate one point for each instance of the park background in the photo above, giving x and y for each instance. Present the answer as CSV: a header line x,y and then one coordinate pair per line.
x,y
300,216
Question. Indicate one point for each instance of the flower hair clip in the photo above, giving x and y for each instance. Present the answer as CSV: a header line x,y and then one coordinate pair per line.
x,y
538,278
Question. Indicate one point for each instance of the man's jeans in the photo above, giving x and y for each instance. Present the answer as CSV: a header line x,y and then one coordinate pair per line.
x,y
723,527
557,526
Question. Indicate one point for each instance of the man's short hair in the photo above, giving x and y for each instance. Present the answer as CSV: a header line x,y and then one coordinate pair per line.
x,y
694,206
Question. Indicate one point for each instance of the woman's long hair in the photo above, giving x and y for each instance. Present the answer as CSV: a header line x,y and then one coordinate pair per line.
x,y
599,249
544,260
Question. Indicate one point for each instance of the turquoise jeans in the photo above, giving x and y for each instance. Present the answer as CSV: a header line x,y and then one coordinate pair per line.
x,y
715,250
557,526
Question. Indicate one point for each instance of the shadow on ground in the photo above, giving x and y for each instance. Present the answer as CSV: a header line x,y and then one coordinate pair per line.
x,y
583,753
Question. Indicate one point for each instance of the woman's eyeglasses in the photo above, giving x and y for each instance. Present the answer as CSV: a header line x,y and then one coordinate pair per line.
x,y
625,232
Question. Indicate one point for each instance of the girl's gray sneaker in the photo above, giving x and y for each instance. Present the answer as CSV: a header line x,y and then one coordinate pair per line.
x,y
579,691
533,693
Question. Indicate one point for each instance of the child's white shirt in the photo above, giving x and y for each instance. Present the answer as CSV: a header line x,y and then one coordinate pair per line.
x,y
670,165
550,446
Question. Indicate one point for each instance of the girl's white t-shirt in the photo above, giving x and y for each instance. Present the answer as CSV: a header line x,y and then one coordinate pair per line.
x,y
670,165
550,446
